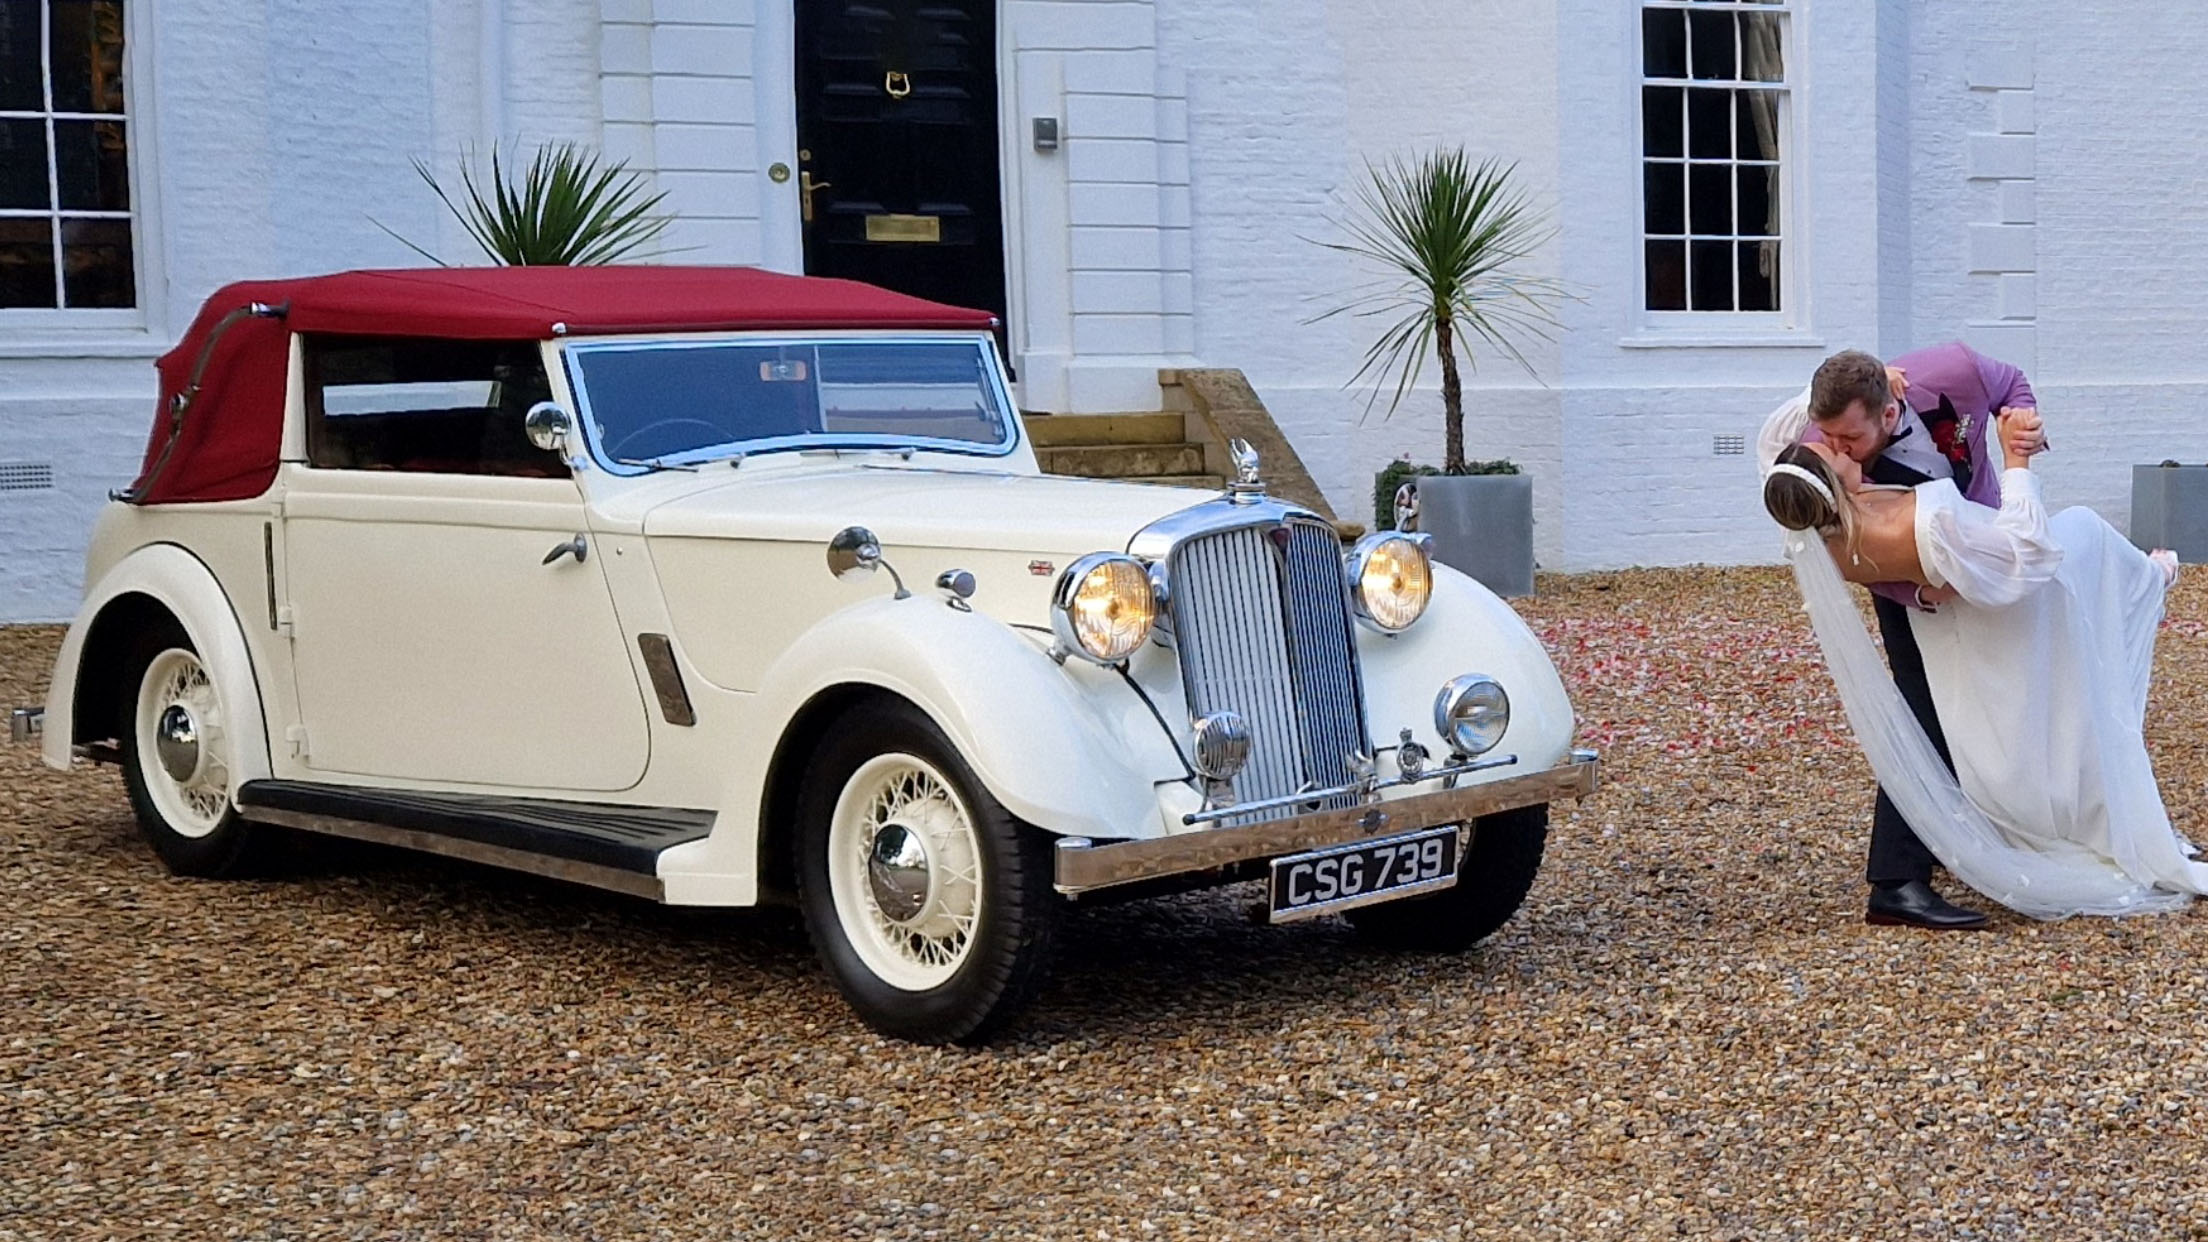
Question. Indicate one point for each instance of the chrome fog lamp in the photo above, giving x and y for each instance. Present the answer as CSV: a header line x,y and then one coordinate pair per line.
x,y
1103,607
1471,713
1222,745
1391,579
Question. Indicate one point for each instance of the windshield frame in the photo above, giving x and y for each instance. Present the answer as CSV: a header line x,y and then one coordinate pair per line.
x,y
572,350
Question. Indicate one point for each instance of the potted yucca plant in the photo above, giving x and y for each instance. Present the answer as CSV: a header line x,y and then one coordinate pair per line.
x,y
1445,232
567,208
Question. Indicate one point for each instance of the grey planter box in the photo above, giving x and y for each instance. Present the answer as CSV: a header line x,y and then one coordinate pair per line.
x,y
2169,509
1482,525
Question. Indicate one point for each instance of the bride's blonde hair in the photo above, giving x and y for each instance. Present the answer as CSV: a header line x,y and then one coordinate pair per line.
x,y
1796,505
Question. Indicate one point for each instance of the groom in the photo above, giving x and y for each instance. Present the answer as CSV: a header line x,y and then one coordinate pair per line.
x,y
1923,416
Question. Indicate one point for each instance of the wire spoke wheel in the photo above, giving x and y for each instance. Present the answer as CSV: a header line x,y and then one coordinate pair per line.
x,y
905,870
179,751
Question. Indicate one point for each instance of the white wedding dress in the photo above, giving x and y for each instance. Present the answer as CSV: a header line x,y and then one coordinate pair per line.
x,y
2039,673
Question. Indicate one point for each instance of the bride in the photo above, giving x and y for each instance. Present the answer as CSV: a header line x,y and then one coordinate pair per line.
x,y
2039,672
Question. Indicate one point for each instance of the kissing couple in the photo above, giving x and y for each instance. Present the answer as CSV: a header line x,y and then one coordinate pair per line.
x,y
2008,742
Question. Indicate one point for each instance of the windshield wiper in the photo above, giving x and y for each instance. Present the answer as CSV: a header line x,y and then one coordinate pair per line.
x,y
657,463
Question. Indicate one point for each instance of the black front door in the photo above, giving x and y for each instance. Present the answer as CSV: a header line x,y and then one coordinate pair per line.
x,y
897,146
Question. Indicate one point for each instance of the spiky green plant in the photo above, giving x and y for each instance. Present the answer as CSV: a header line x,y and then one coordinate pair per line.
x,y
1445,231
567,209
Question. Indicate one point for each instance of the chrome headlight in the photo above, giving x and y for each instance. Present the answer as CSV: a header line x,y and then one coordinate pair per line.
x,y
1103,607
1391,579
1471,713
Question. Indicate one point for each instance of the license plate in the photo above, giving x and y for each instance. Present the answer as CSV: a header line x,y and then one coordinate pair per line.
x,y
1341,877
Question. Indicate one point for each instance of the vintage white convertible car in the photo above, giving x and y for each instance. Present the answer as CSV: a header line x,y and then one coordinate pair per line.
x,y
574,571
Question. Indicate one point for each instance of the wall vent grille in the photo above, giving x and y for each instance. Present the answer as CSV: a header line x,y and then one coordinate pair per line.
x,y
1728,446
26,476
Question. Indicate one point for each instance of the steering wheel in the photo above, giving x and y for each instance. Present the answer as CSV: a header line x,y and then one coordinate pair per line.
x,y
718,433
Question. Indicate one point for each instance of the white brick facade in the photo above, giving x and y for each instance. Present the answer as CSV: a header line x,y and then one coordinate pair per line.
x,y
2020,176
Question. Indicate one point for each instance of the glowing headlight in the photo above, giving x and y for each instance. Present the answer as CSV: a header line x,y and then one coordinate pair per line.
x,y
1103,607
1471,713
1391,578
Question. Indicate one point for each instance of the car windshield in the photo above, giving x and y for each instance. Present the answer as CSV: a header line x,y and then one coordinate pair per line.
x,y
662,403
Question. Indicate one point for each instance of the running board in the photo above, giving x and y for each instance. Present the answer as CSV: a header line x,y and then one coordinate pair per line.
x,y
605,846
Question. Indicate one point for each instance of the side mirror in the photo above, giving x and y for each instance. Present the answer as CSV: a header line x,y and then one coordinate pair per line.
x,y
548,427
854,550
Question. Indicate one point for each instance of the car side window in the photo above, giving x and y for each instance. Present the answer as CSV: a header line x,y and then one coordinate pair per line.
x,y
425,405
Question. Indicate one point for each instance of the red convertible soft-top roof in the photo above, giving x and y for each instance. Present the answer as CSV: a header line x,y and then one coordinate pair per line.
x,y
229,441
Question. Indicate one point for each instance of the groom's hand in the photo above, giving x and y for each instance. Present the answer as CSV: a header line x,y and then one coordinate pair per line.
x,y
2028,432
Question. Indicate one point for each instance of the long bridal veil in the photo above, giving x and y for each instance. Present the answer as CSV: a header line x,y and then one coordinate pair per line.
x,y
2046,880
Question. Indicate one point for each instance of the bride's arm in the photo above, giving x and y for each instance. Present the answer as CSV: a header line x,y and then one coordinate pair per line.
x,y
1991,558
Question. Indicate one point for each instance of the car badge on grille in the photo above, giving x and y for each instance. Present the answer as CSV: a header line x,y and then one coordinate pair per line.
x,y
1041,569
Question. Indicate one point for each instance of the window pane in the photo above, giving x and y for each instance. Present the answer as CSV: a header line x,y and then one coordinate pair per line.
x,y
1759,201
1664,198
26,263
1710,198
93,165
1664,43
428,406
1712,35
1761,54
1712,286
21,89
95,263
88,55
1759,125
1667,275
23,164
1759,276
1709,123
1661,121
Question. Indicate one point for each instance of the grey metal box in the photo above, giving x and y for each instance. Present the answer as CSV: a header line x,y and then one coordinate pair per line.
x,y
2169,509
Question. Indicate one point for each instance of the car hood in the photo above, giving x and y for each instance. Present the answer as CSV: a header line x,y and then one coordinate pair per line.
x,y
918,507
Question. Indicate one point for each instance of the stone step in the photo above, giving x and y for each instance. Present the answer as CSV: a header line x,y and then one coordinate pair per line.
x,y
1074,430
1209,482
1123,461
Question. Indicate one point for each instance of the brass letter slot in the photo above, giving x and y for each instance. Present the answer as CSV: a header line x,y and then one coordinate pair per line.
x,y
896,228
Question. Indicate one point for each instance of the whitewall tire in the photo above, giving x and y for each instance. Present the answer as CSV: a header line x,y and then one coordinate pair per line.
x,y
178,759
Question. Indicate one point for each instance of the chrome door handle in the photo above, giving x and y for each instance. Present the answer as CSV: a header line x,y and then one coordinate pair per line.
x,y
578,547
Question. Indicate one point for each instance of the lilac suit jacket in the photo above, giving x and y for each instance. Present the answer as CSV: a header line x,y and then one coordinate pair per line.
x,y
1977,387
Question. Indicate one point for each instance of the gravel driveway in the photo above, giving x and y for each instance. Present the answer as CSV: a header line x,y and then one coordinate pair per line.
x,y
1687,1032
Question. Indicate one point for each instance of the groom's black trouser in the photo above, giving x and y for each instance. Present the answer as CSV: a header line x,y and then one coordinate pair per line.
x,y
1896,854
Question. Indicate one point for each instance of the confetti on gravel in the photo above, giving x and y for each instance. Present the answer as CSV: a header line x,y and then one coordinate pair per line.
x,y
1688,1032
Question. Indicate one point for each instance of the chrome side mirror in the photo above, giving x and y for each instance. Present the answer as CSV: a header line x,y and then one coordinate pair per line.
x,y
855,550
548,427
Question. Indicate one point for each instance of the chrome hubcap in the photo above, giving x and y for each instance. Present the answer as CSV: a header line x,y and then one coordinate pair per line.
x,y
176,741
897,870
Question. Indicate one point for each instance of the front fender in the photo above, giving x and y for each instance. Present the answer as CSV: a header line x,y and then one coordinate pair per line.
x,y
1467,629
181,583
1070,749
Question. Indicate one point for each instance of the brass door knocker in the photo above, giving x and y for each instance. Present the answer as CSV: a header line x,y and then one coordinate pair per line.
x,y
897,84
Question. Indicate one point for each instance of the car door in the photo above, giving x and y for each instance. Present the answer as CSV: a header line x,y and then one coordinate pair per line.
x,y
448,621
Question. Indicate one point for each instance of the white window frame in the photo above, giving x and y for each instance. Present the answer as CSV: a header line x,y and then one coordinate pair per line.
x,y
101,332
1789,325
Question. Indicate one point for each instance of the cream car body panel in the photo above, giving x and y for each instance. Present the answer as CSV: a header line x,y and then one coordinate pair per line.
x,y
427,621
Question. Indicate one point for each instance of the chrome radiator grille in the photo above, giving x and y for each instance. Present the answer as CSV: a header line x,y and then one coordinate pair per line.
x,y
1261,620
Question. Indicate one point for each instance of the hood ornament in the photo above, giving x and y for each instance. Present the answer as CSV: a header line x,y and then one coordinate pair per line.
x,y
1247,486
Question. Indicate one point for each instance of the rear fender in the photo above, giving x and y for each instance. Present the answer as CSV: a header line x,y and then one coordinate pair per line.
x,y
185,588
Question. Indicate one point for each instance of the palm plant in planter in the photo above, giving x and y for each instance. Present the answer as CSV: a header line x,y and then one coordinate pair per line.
x,y
1445,232
565,209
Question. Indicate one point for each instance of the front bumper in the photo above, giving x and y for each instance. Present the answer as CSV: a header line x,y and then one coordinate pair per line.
x,y
1085,866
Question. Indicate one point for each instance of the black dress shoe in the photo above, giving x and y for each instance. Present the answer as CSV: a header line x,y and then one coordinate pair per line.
x,y
1914,904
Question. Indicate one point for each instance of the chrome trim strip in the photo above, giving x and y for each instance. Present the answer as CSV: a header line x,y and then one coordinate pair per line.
x,y
595,876
26,723
1320,795
659,661
1084,866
